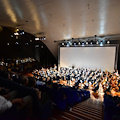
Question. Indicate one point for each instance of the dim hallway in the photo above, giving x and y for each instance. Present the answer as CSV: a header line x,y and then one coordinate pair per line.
x,y
90,109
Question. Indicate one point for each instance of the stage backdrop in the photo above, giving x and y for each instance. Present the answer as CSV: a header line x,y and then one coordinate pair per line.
x,y
89,57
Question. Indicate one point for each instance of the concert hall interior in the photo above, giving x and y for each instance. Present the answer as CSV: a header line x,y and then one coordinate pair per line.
x,y
59,60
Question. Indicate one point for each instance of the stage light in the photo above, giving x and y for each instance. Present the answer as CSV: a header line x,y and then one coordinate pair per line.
x,y
17,29
97,42
36,39
101,43
16,43
16,33
26,43
86,43
83,44
108,42
79,43
23,32
62,43
67,45
44,38
74,44
36,46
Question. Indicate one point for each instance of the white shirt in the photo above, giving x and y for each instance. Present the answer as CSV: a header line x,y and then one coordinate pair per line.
x,y
4,104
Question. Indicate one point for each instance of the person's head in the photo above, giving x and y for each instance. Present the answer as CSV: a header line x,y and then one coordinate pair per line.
x,y
55,85
4,74
116,88
24,80
32,82
49,82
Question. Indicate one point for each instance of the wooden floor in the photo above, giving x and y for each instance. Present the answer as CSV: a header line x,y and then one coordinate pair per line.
x,y
90,109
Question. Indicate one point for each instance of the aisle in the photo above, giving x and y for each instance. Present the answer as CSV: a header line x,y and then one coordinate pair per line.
x,y
90,109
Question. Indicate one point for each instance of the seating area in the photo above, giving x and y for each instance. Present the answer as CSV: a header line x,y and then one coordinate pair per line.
x,y
65,97
59,97
111,106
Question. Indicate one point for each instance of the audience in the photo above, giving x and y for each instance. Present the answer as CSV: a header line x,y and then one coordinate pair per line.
x,y
78,79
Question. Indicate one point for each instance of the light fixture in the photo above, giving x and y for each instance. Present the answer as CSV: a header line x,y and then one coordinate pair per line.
x,y
44,38
23,32
74,44
30,40
16,33
83,44
37,39
41,46
91,43
108,42
62,43
16,37
26,43
8,43
86,43
97,42
16,43
11,35
36,46
17,29
78,43
101,43
68,44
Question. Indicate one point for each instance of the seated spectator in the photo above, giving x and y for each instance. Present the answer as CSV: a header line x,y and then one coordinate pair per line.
x,y
32,84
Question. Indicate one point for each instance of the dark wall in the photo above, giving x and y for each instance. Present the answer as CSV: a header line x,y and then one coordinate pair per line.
x,y
23,50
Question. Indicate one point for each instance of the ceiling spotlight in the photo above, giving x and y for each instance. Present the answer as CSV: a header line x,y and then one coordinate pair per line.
x,y
16,43
83,44
108,42
97,42
36,46
101,43
8,43
26,43
37,39
74,43
44,38
16,37
79,43
16,33
23,32
68,44
17,29
62,43
86,43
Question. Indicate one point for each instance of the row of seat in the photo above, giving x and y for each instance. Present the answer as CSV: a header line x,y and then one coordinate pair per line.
x,y
39,111
111,109
65,97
